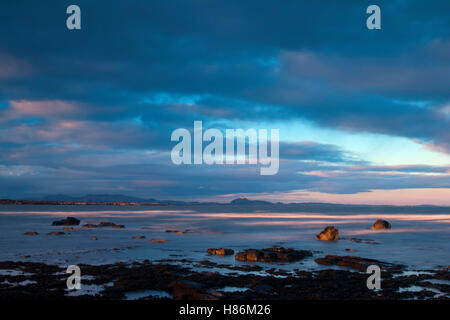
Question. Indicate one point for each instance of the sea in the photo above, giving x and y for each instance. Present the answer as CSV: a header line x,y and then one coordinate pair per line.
x,y
419,238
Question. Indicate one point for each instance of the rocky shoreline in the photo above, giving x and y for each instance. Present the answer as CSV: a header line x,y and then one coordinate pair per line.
x,y
163,279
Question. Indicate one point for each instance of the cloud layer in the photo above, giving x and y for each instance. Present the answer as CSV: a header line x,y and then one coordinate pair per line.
x,y
91,111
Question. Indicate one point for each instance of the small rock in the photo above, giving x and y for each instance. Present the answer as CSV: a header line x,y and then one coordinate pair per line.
x,y
139,237
69,221
94,238
330,233
55,233
175,231
90,226
119,226
33,233
159,240
68,228
381,224
350,250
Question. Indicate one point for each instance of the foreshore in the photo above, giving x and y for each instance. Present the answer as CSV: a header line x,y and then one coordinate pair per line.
x,y
170,279
208,254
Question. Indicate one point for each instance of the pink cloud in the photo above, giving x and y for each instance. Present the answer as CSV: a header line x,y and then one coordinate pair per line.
x,y
407,196
323,174
443,147
42,108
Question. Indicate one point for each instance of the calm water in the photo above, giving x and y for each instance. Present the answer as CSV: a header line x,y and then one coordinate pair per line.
x,y
419,238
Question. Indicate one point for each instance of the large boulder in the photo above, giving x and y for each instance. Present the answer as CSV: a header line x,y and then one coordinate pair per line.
x,y
251,255
381,224
69,221
330,233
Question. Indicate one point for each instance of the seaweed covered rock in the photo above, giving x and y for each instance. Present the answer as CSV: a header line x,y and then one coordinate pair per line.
x,y
189,290
353,262
272,255
221,251
103,224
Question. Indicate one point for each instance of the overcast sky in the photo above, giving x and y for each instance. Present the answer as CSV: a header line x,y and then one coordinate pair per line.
x,y
364,115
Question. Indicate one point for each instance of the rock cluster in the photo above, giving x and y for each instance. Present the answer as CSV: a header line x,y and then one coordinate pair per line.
x,y
221,251
272,255
189,290
103,224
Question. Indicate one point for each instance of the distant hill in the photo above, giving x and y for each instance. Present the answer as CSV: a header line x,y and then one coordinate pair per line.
x,y
98,198
124,198
236,203
246,202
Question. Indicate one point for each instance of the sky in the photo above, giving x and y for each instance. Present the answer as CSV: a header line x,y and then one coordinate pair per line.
x,y
363,114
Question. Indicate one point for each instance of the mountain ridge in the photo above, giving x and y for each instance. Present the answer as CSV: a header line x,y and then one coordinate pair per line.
x,y
235,202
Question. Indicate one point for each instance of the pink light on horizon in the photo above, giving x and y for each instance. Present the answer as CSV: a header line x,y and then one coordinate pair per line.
x,y
419,196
